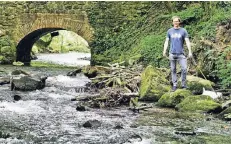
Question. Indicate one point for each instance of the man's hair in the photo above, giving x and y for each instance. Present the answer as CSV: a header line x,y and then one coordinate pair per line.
x,y
176,17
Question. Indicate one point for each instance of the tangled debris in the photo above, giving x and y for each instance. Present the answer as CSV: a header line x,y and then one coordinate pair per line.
x,y
114,85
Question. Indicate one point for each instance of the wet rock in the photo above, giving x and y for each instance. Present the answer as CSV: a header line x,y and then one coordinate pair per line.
x,y
90,72
42,99
171,99
185,130
4,135
118,127
43,78
85,58
73,73
73,99
134,138
199,103
92,124
27,83
134,126
81,108
17,97
153,84
18,72
4,80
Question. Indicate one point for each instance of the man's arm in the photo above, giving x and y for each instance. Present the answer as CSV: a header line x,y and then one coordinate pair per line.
x,y
189,47
165,47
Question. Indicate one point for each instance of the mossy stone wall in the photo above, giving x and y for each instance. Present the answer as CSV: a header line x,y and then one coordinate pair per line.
x,y
108,19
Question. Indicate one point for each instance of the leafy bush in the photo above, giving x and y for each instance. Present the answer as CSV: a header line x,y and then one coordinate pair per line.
x,y
151,50
223,66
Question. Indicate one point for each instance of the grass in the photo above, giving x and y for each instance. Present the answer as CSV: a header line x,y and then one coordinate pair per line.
x,y
49,65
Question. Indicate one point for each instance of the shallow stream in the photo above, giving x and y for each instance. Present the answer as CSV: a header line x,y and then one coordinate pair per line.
x,y
49,116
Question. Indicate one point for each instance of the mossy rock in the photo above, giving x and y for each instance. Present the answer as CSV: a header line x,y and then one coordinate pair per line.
x,y
153,84
196,84
18,63
90,71
18,72
171,99
199,103
225,114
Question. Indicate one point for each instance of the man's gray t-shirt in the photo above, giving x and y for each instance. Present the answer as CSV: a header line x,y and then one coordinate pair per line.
x,y
176,37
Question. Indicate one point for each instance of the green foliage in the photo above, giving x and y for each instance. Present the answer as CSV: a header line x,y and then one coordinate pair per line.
x,y
200,20
151,48
145,35
66,41
223,68
7,49
41,44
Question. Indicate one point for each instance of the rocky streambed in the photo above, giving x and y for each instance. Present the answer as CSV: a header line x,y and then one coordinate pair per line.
x,y
49,116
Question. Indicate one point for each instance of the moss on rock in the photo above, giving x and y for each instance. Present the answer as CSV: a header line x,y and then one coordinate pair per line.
x,y
196,84
90,71
18,63
153,84
198,103
171,99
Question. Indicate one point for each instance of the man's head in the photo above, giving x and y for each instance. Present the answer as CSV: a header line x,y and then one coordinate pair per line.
x,y
176,21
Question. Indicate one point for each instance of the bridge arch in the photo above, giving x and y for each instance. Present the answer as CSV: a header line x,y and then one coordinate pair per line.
x,y
33,26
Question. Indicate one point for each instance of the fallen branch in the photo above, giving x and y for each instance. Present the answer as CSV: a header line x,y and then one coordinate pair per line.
x,y
87,97
137,109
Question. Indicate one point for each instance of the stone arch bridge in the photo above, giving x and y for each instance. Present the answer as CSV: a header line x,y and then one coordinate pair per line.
x,y
30,27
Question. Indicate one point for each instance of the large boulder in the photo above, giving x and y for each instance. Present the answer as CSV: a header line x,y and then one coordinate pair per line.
x,y
93,71
27,83
199,103
171,99
196,84
153,84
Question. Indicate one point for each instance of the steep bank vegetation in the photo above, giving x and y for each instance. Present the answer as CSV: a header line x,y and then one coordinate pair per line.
x,y
138,33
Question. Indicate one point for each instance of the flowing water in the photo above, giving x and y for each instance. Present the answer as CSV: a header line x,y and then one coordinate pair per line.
x,y
49,116
70,59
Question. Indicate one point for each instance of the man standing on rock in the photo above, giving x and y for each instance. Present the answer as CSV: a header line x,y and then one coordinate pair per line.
x,y
177,36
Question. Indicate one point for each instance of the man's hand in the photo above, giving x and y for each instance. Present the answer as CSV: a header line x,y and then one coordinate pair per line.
x,y
190,55
165,47
164,54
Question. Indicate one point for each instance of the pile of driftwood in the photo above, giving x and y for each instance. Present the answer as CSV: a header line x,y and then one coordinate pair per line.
x,y
116,85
